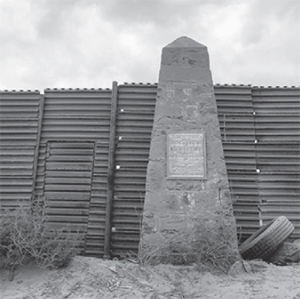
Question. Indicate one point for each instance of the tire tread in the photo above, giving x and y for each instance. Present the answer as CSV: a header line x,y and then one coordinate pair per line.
x,y
267,239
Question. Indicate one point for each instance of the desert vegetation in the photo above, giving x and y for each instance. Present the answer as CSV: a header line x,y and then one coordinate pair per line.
x,y
198,245
26,237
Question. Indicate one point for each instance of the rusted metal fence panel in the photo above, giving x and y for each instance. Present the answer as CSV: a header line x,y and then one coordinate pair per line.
x,y
236,118
277,122
19,117
73,162
136,103
68,181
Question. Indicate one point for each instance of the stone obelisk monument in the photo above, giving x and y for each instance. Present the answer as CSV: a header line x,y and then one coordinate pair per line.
x,y
187,182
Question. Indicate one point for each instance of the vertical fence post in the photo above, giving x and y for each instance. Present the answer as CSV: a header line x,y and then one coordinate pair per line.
x,y
37,148
111,171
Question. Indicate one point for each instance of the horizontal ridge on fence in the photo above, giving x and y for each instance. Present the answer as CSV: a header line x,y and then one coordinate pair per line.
x,y
136,104
72,171
277,121
236,119
19,121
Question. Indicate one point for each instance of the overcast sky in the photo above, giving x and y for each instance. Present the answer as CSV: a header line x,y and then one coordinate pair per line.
x,y
90,43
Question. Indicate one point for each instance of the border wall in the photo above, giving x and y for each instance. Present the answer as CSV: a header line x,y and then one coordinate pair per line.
x,y
84,153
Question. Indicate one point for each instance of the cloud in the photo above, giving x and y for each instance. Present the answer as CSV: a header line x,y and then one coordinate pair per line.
x,y
262,47
273,42
162,13
52,18
76,43
264,19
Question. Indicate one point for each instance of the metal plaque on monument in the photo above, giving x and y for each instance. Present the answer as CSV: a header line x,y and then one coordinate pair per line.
x,y
186,156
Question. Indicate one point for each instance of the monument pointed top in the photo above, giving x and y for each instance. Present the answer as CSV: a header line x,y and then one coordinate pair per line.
x,y
184,42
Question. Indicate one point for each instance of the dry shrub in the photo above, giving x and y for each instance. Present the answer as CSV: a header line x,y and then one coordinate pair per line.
x,y
203,245
25,236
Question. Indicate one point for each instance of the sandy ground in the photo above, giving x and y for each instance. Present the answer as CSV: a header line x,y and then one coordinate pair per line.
x,y
89,278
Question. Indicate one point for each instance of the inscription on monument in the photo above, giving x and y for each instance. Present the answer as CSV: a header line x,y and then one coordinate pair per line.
x,y
186,155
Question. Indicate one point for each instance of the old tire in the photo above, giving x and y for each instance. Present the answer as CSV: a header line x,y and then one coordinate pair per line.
x,y
267,239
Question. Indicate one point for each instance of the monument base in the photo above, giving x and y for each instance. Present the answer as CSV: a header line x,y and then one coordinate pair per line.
x,y
189,226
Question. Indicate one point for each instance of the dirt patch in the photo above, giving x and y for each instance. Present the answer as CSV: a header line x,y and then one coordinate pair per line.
x,y
88,278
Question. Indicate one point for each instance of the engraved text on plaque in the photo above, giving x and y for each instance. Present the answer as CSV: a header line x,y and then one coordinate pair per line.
x,y
186,155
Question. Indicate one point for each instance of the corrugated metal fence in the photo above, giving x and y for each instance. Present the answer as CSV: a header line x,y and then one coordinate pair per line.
x,y
19,125
73,162
277,127
84,152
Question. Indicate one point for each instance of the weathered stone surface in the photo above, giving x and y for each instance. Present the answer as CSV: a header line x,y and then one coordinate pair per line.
x,y
185,104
